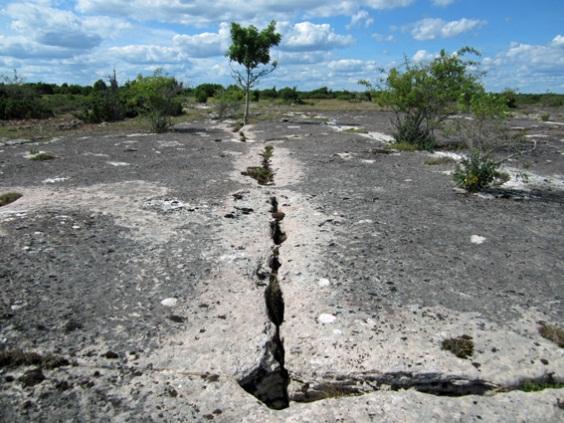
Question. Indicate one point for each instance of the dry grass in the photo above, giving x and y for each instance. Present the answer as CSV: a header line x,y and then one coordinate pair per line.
x,y
552,333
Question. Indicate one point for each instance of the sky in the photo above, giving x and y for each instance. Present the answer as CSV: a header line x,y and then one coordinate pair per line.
x,y
324,43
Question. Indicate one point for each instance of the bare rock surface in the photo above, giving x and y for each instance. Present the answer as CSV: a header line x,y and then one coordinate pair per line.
x,y
176,289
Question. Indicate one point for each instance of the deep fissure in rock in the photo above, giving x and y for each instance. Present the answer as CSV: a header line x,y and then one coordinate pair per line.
x,y
269,381
429,383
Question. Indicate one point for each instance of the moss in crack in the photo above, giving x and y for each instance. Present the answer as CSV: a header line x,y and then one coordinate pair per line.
x,y
552,333
462,346
9,197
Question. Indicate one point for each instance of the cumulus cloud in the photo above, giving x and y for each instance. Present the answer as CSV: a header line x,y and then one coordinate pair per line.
x,y
146,54
204,11
432,28
361,18
51,27
206,44
528,67
307,36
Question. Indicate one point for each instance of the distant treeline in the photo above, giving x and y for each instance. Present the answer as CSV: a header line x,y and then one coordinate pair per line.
x,y
106,101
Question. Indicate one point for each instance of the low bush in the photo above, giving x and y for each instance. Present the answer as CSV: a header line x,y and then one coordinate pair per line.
x,y
478,171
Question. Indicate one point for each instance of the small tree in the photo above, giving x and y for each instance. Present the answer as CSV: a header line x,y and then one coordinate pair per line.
x,y
251,49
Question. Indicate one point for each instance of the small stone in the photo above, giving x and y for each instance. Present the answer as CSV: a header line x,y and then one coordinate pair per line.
x,y
169,302
326,318
324,282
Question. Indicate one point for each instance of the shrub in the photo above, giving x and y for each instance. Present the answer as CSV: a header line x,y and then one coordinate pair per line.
x,y
21,101
422,96
157,97
477,172
228,103
462,346
105,104
545,117
290,95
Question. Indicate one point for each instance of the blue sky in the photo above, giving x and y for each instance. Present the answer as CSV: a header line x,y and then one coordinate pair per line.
x,y
324,43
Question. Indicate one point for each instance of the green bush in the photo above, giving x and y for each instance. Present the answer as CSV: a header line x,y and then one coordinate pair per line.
x,y
19,101
422,96
477,172
157,97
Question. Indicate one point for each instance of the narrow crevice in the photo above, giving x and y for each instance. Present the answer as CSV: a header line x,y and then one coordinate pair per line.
x,y
428,383
269,381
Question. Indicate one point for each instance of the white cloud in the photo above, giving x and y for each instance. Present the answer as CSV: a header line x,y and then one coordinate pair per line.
x,y
432,28
361,18
443,3
206,44
204,11
145,54
527,67
306,36
422,56
558,41
51,27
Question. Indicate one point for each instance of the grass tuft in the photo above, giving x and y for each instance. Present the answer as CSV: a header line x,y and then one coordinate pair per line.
x,y
437,161
552,333
404,146
462,346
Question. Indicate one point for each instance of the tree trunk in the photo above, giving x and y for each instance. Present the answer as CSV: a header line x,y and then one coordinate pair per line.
x,y
247,97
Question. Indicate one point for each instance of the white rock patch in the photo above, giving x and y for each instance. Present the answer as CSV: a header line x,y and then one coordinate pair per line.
x,y
118,164
169,302
326,318
477,239
54,180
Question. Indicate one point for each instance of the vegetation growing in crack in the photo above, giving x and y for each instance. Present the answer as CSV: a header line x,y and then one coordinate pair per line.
x,y
552,333
263,174
438,161
16,358
9,197
462,346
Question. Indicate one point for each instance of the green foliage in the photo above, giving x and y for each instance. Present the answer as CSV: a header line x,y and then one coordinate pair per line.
x,y
20,101
545,117
157,97
105,103
251,49
422,96
478,172
228,102
510,97
290,95
9,197
462,346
